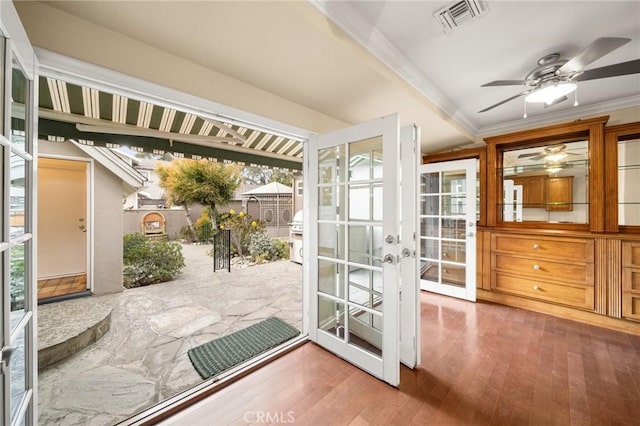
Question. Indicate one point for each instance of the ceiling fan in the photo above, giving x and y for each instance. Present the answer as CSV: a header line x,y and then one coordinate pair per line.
x,y
549,153
554,78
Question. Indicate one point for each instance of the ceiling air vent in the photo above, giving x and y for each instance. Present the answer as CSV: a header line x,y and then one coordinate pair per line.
x,y
455,14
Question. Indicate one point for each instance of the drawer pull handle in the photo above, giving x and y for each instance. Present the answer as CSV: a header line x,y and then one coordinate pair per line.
x,y
536,267
536,246
535,287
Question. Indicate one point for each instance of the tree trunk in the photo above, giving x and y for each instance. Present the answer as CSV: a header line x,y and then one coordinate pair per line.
x,y
214,223
189,222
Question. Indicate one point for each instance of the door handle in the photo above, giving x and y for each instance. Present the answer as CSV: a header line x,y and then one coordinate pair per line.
x,y
405,252
5,358
388,258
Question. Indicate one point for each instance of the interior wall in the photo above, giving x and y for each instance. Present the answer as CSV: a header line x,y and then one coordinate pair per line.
x,y
54,30
107,217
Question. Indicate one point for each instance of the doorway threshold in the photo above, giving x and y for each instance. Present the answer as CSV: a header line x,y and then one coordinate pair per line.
x,y
182,401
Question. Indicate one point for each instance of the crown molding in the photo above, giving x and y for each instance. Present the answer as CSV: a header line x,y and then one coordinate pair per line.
x,y
350,21
559,116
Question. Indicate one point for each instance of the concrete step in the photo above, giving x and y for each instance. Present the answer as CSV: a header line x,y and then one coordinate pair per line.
x,y
67,327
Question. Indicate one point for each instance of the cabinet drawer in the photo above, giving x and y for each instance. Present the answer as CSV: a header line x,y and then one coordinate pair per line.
x,y
631,254
631,306
541,269
576,296
631,280
570,249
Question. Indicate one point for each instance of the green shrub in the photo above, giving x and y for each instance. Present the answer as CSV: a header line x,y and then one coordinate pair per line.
x,y
283,248
262,248
150,261
17,277
242,227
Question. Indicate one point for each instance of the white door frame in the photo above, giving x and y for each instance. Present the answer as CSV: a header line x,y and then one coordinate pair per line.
x,y
18,339
89,208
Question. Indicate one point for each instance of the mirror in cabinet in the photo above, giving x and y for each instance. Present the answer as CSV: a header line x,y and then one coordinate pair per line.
x,y
546,183
629,180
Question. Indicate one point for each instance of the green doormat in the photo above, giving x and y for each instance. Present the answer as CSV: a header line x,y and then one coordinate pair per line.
x,y
225,352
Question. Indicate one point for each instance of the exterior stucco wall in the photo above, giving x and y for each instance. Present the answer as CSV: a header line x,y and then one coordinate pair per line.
x,y
107,219
175,219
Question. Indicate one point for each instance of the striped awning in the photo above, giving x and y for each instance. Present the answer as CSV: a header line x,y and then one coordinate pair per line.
x,y
93,117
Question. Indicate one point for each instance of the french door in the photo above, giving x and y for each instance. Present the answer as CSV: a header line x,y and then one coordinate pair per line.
x,y
352,209
447,228
17,129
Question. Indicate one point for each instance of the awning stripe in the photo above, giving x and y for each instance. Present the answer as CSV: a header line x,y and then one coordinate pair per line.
x,y
105,119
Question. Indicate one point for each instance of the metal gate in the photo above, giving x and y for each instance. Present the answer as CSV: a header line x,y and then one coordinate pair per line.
x,y
222,250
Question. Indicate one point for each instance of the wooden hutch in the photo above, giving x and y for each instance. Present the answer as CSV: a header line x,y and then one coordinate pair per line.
x,y
575,251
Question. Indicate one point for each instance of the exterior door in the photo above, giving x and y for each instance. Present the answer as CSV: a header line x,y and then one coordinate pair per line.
x,y
62,218
351,218
17,241
447,228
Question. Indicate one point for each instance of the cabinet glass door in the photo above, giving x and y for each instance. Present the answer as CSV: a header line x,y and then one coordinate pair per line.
x,y
447,228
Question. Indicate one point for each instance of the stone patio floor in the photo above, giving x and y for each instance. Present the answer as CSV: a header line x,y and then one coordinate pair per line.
x,y
142,359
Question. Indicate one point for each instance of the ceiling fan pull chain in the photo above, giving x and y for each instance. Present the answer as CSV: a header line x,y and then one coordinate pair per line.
x,y
575,94
525,110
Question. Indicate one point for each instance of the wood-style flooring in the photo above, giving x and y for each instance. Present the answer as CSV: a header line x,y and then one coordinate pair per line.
x,y
481,364
61,286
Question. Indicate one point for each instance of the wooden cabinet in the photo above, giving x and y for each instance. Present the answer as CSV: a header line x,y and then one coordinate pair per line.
x,y
559,193
551,269
544,192
533,189
631,280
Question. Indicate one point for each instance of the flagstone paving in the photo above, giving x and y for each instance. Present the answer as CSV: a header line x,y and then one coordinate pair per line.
x,y
142,359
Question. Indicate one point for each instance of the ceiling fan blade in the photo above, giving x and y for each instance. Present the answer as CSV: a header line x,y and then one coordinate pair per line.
x,y
506,100
556,102
505,83
623,68
538,157
529,154
591,53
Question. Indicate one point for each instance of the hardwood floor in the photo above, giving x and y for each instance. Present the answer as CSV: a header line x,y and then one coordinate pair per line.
x,y
61,286
481,364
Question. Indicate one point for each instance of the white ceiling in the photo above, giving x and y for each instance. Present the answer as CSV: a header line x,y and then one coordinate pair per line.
x,y
502,44
290,49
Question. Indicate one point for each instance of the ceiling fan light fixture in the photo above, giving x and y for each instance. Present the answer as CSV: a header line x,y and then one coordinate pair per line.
x,y
554,158
550,93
